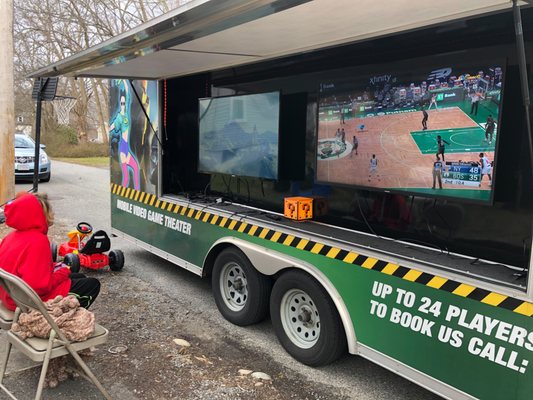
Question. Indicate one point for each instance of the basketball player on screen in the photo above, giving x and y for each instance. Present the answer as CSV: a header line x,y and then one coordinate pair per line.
x,y
373,168
440,147
474,99
486,168
437,172
424,120
489,129
355,145
341,115
338,135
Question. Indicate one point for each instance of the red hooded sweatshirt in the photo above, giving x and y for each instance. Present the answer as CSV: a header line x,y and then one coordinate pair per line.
x,y
26,251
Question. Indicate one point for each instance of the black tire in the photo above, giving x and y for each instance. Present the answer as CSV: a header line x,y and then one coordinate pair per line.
x,y
53,249
73,261
47,177
241,293
116,260
313,332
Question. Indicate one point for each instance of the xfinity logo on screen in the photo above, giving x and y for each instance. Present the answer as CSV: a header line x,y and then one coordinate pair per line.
x,y
382,78
441,73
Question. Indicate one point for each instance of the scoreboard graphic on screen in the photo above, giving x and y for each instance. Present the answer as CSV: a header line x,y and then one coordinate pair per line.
x,y
462,174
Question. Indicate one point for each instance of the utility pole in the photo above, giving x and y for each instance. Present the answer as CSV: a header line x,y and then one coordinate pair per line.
x,y
7,103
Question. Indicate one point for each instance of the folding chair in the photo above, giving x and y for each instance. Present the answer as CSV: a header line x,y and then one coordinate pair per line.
x,y
6,317
43,350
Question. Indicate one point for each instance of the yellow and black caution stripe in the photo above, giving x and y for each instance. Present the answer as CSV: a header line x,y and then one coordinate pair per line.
x,y
350,257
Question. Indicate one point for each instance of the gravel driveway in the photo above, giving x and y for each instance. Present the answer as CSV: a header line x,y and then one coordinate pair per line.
x,y
154,308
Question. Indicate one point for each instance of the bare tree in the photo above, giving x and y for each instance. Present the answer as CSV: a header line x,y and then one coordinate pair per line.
x,y
50,30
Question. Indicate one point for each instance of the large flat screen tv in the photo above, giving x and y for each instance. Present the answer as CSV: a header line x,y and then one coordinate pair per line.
x,y
239,135
402,130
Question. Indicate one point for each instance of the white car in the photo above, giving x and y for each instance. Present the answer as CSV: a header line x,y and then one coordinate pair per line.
x,y
24,159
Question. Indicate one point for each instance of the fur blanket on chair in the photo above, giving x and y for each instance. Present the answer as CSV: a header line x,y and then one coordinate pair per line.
x,y
75,322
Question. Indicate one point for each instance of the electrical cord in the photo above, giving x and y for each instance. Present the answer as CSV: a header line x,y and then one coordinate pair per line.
x,y
31,190
228,187
206,186
419,242
165,109
247,189
181,187
366,221
273,217
145,113
479,262
243,214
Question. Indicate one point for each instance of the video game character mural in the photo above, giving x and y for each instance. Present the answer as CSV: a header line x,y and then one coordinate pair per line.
x,y
132,137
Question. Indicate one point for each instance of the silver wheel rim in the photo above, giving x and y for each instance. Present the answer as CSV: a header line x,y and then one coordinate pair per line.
x,y
300,318
233,286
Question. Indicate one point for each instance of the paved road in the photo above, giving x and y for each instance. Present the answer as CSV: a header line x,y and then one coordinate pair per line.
x,y
81,193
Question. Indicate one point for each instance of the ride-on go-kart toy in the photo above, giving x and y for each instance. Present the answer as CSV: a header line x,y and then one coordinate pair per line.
x,y
91,253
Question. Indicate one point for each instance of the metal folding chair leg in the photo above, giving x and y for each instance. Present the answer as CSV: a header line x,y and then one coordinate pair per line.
x,y
44,367
3,366
88,372
7,392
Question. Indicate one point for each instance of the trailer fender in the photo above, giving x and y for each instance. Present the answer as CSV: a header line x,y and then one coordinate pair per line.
x,y
270,262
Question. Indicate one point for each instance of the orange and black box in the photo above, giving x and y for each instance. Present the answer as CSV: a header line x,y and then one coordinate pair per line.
x,y
298,208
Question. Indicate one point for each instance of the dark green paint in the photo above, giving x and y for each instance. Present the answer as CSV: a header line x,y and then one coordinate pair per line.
x,y
454,366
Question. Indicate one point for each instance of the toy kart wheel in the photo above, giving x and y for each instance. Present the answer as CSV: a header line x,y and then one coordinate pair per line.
x,y
73,261
53,249
116,260
305,320
241,292
84,228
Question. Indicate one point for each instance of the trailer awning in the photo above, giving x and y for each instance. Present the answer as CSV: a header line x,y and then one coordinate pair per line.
x,y
207,35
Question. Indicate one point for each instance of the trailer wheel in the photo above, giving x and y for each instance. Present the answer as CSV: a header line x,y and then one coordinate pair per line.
x,y
305,320
73,261
116,260
241,292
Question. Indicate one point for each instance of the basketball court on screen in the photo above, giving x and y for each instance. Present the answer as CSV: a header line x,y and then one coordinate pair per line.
x,y
404,151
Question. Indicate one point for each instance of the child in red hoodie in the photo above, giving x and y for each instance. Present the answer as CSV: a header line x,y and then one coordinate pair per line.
x,y
26,253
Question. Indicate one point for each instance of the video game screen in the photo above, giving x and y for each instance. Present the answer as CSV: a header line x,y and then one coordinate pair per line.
x,y
429,131
239,135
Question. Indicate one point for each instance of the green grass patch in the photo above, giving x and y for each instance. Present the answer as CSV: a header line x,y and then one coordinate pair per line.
x,y
100,162
63,149
63,142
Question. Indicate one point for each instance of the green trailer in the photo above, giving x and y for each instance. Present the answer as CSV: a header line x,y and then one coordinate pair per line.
x,y
221,113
